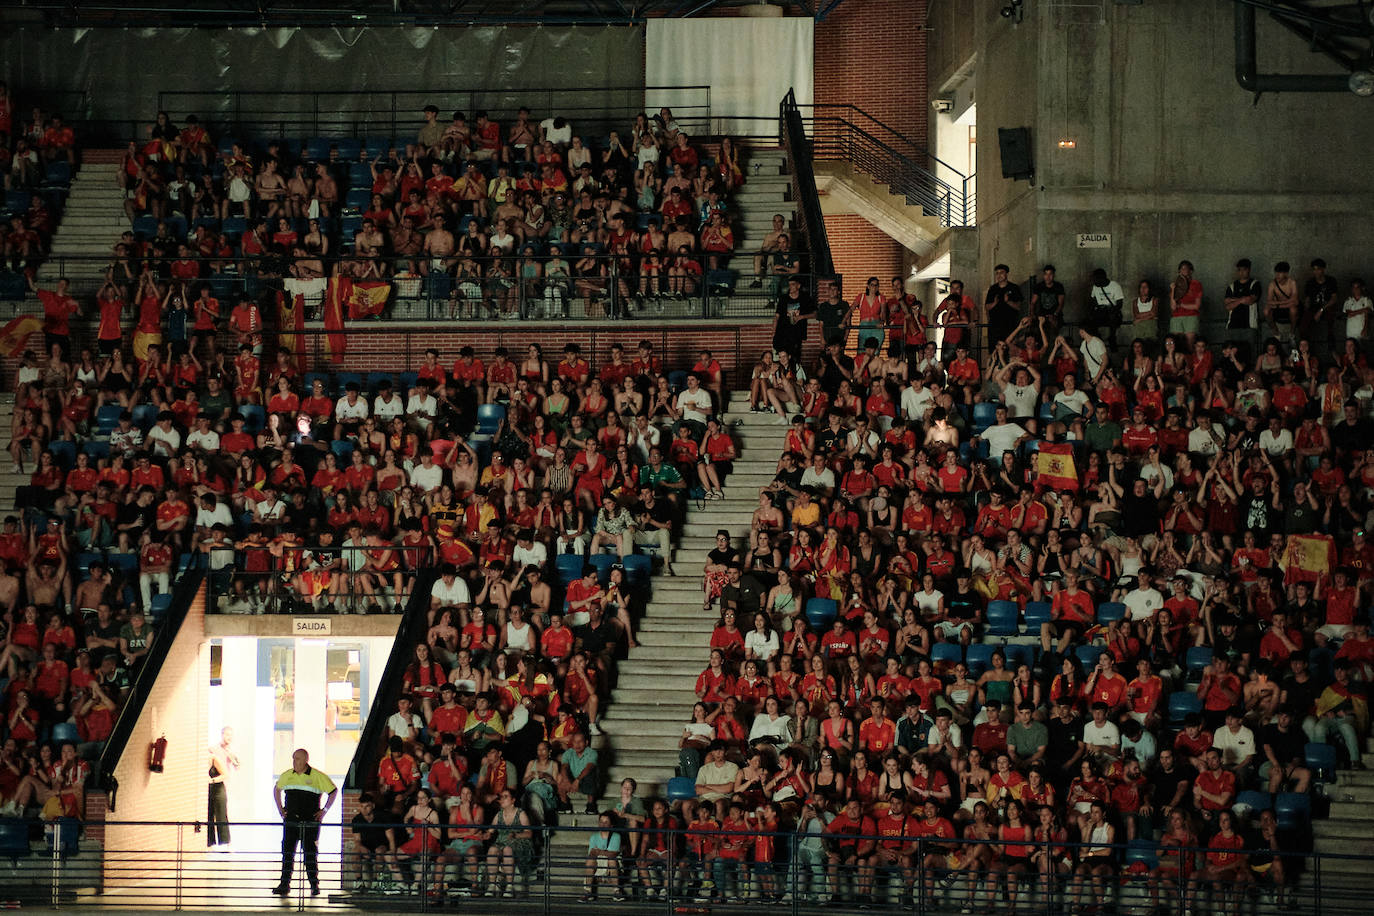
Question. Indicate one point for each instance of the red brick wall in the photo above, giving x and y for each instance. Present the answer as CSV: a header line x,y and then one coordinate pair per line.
x,y
872,54
861,251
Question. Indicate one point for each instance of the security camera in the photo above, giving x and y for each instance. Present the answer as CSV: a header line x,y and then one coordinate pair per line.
x,y
943,106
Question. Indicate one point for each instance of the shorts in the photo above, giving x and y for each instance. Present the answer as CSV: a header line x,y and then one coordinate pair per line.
x,y
1183,324
463,847
952,628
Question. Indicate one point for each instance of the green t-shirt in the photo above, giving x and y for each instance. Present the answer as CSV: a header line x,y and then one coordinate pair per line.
x,y
1027,739
1101,436
666,473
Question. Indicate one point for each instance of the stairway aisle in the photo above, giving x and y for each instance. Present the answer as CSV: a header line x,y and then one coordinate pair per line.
x,y
655,691
92,219
765,192
9,477
1350,827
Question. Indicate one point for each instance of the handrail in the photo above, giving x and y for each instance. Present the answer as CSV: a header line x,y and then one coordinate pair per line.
x,y
363,767
913,150
904,169
183,594
792,132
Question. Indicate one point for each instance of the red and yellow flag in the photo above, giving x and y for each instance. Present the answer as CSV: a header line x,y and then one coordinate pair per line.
x,y
15,334
367,298
291,321
335,341
1309,557
1054,466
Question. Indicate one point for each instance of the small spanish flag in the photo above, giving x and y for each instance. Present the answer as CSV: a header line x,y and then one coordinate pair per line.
x,y
1054,467
15,335
367,298
1309,557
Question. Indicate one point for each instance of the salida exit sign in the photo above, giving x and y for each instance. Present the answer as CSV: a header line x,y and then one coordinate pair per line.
x,y
311,626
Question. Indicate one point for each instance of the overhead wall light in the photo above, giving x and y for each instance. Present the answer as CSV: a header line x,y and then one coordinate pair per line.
x,y
1068,143
1362,83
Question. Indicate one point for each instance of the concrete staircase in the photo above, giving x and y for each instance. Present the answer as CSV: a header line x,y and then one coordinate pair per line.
x,y
844,189
1349,830
9,477
655,691
765,192
92,220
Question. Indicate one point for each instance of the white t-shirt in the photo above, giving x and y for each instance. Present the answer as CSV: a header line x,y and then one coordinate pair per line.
x,y
386,409
1001,438
1355,326
165,442
1234,747
813,478
1094,353
1074,403
762,646
208,440
1108,295
1104,735
422,405
916,403
695,405
220,515
1142,603
450,595
556,134
1020,399
355,411
1203,441
424,478
404,726
1276,445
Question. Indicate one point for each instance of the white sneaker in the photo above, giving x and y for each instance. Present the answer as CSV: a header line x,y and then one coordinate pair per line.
x,y
595,730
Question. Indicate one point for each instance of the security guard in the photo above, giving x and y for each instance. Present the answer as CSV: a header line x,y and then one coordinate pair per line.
x,y
297,796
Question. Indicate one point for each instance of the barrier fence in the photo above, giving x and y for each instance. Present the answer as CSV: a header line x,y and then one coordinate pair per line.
x,y
543,868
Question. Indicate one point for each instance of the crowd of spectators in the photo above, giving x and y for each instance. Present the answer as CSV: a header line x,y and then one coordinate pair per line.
x,y
521,218
36,161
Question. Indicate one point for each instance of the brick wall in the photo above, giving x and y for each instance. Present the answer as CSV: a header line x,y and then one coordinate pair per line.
x,y
381,348
873,55
178,708
861,251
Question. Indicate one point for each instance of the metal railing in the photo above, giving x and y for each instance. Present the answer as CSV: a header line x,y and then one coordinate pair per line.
x,y
552,867
604,289
245,588
849,134
800,153
396,115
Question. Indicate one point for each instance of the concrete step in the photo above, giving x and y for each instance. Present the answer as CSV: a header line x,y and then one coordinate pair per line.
x,y
620,728
637,712
680,665
650,758
681,698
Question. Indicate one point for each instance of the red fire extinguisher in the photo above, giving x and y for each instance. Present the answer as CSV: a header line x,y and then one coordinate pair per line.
x,y
157,751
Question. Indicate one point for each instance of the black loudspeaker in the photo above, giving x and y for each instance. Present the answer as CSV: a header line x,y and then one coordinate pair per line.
x,y
1015,145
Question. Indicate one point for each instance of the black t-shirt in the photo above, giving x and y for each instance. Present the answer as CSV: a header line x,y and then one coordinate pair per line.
x,y
832,371
1046,298
1321,294
1004,309
831,440
1257,514
1347,436
790,478
1287,746
1064,739
597,639
1238,319
1140,514
830,313
1163,785
371,835
661,511
793,315
1301,695
963,605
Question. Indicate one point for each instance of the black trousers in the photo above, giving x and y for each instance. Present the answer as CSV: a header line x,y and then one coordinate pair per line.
x,y
217,818
307,834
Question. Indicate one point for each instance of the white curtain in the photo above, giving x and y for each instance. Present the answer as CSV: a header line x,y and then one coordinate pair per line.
x,y
749,64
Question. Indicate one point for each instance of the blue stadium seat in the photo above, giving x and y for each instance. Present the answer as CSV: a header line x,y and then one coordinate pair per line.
x,y
349,148
1292,810
603,563
1196,659
233,227
343,451
126,563
1088,655
14,838
107,418
680,788
949,652
821,612
569,567
377,146
97,449
1181,704
984,415
84,561
176,227
360,175
409,380
638,567
1145,852
145,415
1003,618
145,226
1036,613
159,605
63,452
59,173
375,379
16,201
317,149
978,657
1111,612
226,146
254,418
358,198
343,379
310,378
1254,801
1321,760
63,732
1019,654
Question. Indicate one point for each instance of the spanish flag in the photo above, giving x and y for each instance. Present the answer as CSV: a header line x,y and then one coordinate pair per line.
x,y
291,321
367,298
1309,557
1054,467
335,341
15,334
